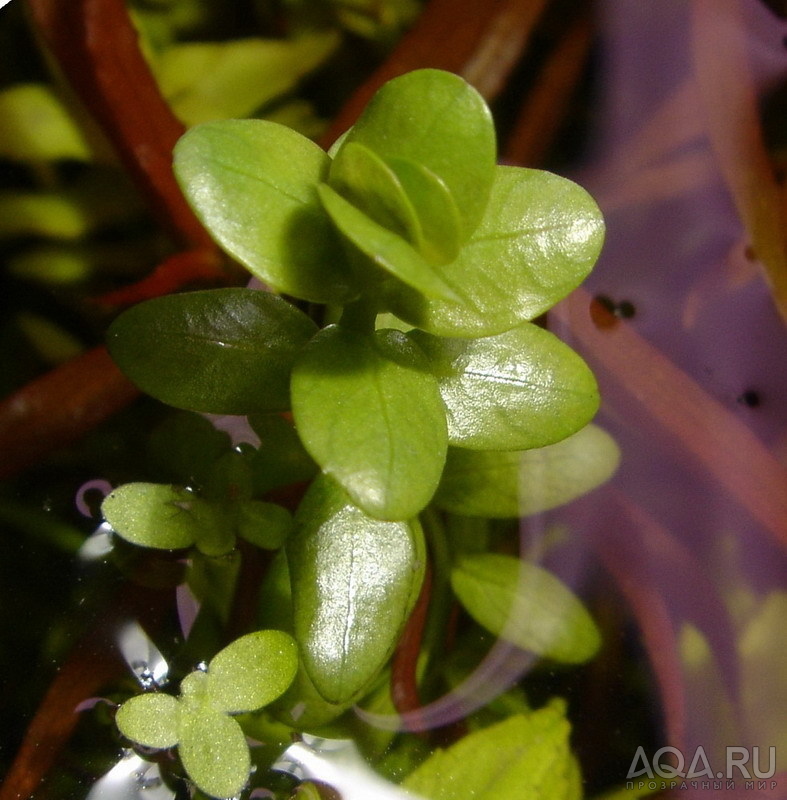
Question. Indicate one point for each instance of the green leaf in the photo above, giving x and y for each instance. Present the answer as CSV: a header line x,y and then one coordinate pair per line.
x,y
167,518
523,756
539,238
384,436
368,183
525,605
265,525
519,483
439,121
281,459
225,351
35,126
213,750
520,389
383,247
150,720
439,219
254,186
252,671
204,81
354,582
184,447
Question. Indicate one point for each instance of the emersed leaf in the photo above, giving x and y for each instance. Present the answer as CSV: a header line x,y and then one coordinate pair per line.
x,y
354,581
440,224
526,605
224,351
254,186
383,247
438,120
370,414
362,178
526,755
168,518
520,389
252,671
539,238
213,750
150,720
479,483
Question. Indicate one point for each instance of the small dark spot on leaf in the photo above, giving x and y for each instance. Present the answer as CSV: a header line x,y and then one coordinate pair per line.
x,y
749,253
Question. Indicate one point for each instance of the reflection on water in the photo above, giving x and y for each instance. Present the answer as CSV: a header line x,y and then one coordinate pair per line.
x,y
132,778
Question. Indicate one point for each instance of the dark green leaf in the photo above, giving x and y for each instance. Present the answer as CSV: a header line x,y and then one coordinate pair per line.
x,y
520,389
226,351
354,582
525,605
525,756
184,447
266,525
539,238
253,184
439,121
281,459
371,415
480,483
167,518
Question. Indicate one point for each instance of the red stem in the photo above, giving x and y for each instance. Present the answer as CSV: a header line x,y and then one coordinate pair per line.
x,y
404,666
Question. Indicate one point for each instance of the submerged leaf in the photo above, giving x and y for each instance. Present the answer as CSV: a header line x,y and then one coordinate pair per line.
x,y
354,582
520,389
254,186
168,518
371,416
480,483
213,750
252,671
526,755
150,720
224,351
526,605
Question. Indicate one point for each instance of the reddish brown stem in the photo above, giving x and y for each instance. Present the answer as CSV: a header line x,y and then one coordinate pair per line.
x,y
96,48
547,105
404,666
60,407
480,41
86,671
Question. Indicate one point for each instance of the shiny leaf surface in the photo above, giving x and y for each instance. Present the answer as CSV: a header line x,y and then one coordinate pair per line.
x,y
520,389
254,186
371,415
224,351
354,581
